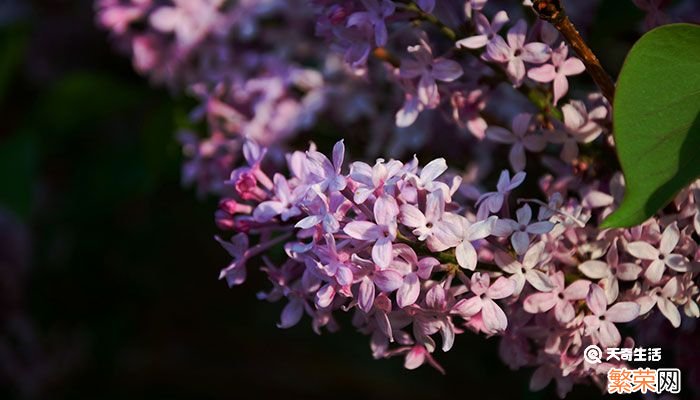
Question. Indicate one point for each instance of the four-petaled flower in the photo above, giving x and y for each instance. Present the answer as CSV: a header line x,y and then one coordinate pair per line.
x,y
429,70
557,71
515,53
520,139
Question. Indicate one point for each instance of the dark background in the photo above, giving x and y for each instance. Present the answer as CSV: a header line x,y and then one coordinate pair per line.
x,y
108,284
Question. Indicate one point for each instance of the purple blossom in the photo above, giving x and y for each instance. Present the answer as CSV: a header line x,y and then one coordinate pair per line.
x,y
557,71
375,16
429,70
519,139
381,233
515,53
662,256
486,32
492,202
492,317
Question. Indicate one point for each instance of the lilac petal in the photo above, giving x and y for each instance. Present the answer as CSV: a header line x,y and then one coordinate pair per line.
x,y
466,255
561,86
381,252
433,169
411,216
388,280
361,230
536,53
291,314
677,262
502,288
408,114
524,214
533,255
338,154
516,70
540,302
468,307
572,117
628,271
534,143
366,295
594,269
545,73
670,311
447,332
446,70
415,358
564,311
516,157
609,335
428,90
540,228
520,242
344,276
497,50
596,300
669,239
411,69
516,35
577,290
539,280
385,210
572,66
655,271
643,250
501,135
625,311
494,318
267,210
500,19
325,296
435,298
473,42
409,291
517,180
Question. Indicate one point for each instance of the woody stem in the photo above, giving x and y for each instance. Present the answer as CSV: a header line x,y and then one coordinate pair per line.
x,y
553,12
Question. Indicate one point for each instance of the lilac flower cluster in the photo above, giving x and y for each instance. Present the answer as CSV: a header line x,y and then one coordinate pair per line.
x,y
419,252
412,258
262,84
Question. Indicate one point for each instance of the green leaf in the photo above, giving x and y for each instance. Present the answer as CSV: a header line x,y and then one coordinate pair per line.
x,y
656,119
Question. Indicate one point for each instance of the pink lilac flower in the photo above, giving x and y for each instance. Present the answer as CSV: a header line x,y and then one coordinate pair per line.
x,y
527,269
466,111
662,256
430,225
429,70
520,139
482,307
610,272
523,228
559,298
382,233
492,202
515,53
580,126
557,71
602,323
467,234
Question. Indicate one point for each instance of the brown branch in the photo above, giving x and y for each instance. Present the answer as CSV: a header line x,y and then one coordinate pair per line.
x,y
553,12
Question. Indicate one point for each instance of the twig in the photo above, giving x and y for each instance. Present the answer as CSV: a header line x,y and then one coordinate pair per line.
x,y
553,12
